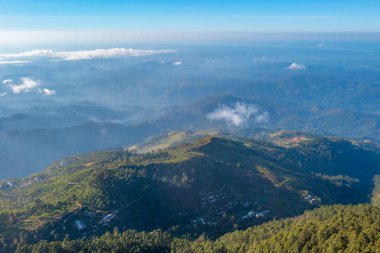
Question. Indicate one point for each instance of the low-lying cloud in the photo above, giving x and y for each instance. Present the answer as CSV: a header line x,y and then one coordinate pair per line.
x,y
295,66
47,92
26,85
12,62
238,115
83,54
177,63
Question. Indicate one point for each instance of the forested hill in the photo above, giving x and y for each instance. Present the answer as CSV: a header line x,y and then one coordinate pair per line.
x,y
328,229
212,186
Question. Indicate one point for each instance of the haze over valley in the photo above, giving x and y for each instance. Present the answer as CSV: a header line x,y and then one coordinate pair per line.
x,y
59,103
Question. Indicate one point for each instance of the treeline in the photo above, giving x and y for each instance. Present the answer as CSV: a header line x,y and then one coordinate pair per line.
x,y
328,229
128,241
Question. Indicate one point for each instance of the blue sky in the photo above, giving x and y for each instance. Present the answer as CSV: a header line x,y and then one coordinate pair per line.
x,y
151,19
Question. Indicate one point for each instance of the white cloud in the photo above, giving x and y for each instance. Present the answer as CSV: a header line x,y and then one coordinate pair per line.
x,y
7,81
84,54
295,66
47,92
29,54
3,94
238,115
177,63
26,85
12,62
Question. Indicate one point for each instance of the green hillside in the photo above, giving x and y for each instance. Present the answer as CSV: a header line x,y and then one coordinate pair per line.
x,y
327,229
209,186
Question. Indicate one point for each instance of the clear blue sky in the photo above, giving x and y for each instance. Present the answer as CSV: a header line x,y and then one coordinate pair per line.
x,y
178,17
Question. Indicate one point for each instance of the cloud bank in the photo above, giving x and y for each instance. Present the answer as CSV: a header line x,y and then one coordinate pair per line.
x,y
83,54
295,66
12,62
238,115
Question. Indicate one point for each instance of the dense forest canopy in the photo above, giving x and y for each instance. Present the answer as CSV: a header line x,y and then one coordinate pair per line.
x,y
327,229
